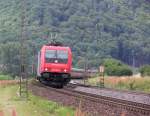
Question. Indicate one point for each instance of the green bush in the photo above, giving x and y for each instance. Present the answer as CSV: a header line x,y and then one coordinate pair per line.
x,y
145,70
115,67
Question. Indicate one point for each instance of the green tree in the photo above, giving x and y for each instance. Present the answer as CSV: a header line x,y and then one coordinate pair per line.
x,y
116,68
94,29
145,70
10,57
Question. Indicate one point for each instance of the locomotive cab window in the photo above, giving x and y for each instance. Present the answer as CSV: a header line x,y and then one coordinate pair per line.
x,y
56,56
50,54
62,56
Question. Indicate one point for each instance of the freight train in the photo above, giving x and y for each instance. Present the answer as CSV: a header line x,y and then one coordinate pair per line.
x,y
77,73
54,64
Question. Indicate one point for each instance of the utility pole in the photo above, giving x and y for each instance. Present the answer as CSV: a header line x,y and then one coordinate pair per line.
x,y
23,70
85,70
101,72
98,33
33,62
133,58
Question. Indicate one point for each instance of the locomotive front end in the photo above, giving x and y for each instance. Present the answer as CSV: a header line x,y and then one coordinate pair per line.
x,y
55,64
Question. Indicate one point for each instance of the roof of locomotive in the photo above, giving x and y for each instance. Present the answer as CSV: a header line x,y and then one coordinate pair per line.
x,y
55,47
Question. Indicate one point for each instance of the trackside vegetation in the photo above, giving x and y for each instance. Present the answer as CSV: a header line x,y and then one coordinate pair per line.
x,y
124,83
145,70
5,77
94,29
35,106
115,67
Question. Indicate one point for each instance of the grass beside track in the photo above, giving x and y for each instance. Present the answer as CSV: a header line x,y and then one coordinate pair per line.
x,y
35,106
5,77
125,83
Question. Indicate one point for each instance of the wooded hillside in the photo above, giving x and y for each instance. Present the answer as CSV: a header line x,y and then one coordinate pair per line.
x,y
94,29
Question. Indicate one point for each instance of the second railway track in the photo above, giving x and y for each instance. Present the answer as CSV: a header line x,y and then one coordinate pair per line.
x,y
131,106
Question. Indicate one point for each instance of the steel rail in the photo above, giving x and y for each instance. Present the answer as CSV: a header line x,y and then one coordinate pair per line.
x,y
114,102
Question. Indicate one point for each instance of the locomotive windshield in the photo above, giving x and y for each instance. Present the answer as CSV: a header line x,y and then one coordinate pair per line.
x,y
50,54
56,56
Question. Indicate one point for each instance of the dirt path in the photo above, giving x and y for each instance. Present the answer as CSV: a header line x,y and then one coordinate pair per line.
x,y
8,82
6,106
10,112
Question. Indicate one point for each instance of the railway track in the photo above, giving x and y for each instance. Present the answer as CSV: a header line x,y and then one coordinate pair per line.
x,y
73,85
130,106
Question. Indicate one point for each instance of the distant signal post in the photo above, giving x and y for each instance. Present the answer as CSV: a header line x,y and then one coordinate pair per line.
x,y
101,73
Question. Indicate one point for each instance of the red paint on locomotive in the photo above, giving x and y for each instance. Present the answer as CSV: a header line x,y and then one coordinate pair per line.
x,y
54,63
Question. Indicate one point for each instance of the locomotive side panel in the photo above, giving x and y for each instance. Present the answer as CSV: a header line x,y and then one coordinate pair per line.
x,y
38,66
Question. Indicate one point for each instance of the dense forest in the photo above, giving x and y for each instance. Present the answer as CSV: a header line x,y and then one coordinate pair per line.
x,y
94,29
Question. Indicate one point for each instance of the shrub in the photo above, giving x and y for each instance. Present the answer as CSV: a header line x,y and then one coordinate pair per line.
x,y
145,70
116,68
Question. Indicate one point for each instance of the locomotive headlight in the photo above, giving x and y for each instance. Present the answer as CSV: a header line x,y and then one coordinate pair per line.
x,y
65,70
46,69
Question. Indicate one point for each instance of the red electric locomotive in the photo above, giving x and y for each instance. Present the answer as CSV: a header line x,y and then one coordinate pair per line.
x,y
54,64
